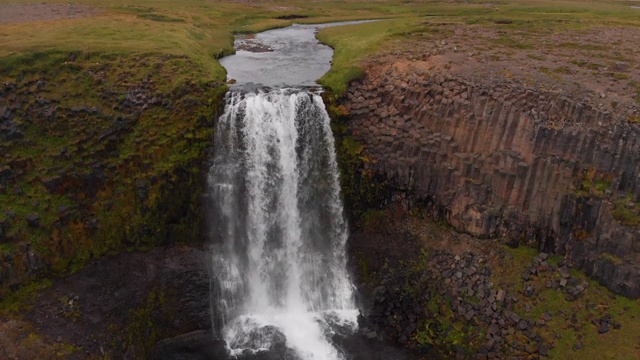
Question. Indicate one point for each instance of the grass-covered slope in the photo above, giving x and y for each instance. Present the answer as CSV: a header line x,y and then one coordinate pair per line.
x,y
202,30
100,154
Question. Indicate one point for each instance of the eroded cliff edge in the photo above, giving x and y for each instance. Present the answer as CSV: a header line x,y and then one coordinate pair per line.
x,y
500,160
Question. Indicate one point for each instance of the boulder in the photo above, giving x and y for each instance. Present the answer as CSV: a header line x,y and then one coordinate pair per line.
x,y
33,220
4,112
196,345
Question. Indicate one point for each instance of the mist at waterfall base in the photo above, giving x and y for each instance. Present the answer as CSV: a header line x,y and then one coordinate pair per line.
x,y
279,231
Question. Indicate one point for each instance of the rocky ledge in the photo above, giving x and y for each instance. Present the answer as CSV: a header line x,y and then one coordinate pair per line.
x,y
119,306
448,295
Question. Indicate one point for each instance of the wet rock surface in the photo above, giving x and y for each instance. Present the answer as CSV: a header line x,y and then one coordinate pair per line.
x,y
474,303
196,345
151,305
121,305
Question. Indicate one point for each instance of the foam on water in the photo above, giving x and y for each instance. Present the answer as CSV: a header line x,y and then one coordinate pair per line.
x,y
279,227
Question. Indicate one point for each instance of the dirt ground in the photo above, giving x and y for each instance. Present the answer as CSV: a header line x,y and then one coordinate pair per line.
x,y
600,66
19,13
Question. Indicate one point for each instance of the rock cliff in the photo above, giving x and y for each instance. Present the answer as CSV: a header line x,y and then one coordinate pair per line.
x,y
98,154
506,161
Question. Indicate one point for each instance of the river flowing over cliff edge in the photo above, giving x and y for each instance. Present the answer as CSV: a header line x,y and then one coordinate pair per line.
x,y
281,259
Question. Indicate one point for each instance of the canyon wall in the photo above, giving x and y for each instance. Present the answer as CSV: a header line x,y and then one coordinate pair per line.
x,y
504,161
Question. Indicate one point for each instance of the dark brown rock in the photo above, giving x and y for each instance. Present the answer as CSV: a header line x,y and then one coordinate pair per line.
x,y
509,162
33,220
195,345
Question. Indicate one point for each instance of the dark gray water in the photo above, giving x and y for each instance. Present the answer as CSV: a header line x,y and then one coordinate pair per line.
x,y
290,56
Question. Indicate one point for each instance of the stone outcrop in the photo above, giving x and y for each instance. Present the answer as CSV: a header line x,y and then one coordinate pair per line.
x,y
395,314
506,161
122,305
196,345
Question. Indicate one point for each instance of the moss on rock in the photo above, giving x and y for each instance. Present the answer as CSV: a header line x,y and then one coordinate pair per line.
x,y
107,150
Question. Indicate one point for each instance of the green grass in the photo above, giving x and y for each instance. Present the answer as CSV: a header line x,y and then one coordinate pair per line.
x,y
161,18
625,215
516,261
203,31
594,184
513,43
563,70
619,76
444,331
635,89
594,303
354,42
587,65
589,47
18,301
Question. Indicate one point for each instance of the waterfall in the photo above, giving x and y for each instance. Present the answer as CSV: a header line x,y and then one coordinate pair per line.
x,y
278,227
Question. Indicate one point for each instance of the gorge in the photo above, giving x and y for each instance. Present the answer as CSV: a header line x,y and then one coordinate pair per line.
x,y
472,193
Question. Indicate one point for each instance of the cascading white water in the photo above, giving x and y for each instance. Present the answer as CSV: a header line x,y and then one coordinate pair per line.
x,y
278,221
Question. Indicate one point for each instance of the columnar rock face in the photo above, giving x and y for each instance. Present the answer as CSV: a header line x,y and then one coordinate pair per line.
x,y
507,161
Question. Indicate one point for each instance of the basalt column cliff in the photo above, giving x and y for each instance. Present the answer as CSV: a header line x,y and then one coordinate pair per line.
x,y
504,161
